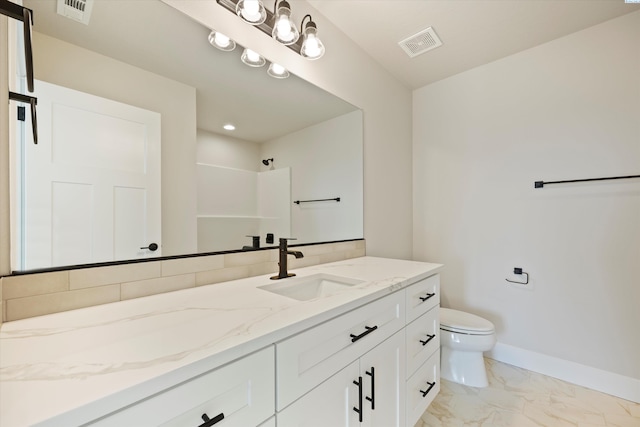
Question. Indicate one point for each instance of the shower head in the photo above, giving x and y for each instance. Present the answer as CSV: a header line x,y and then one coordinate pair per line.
x,y
266,162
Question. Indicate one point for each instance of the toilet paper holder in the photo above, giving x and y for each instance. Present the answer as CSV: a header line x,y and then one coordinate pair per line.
x,y
519,271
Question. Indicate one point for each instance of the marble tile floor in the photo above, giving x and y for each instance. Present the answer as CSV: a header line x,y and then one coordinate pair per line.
x,y
520,398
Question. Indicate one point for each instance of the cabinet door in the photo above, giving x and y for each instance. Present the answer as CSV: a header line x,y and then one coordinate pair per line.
x,y
329,404
383,373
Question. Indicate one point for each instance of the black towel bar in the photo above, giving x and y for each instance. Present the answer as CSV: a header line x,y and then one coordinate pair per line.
x,y
297,202
541,184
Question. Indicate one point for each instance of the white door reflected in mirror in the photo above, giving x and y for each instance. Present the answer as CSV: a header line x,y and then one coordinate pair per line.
x,y
91,190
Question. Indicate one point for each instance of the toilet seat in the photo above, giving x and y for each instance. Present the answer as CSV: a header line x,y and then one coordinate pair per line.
x,y
464,323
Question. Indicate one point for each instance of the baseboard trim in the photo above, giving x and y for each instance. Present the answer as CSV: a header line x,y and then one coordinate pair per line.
x,y
596,379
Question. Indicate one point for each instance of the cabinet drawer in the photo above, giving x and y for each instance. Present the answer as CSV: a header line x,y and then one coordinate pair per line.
x,y
422,388
242,391
422,297
307,359
423,338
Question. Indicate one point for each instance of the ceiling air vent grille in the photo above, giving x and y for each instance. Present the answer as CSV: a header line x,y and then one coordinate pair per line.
x,y
78,10
421,42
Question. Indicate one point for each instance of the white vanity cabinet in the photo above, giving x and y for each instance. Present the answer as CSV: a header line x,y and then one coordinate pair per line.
x,y
238,394
423,346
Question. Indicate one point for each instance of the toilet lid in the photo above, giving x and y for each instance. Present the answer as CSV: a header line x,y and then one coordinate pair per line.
x,y
459,321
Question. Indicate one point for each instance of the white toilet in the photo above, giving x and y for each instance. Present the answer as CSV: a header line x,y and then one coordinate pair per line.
x,y
463,338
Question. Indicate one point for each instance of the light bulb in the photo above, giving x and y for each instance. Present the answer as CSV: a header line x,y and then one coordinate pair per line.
x,y
252,58
251,11
312,47
277,71
284,30
251,7
221,41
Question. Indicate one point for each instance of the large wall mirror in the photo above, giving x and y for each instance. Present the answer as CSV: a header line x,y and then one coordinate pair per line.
x,y
132,151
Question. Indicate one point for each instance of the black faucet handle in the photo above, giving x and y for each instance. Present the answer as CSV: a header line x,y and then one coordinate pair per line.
x,y
255,241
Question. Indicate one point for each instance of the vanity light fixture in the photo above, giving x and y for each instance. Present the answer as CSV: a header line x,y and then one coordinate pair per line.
x,y
221,41
279,25
252,59
277,71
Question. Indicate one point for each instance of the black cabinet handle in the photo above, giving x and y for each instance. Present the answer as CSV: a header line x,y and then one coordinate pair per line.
x,y
152,247
372,399
425,392
369,329
208,422
423,299
359,408
428,339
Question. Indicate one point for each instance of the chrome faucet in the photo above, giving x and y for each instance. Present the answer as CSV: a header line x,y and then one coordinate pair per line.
x,y
283,252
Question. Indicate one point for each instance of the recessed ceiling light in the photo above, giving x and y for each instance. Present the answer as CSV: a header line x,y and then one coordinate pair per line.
x,y
229,126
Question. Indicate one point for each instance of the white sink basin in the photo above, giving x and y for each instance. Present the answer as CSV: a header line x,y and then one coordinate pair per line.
x,y
310,287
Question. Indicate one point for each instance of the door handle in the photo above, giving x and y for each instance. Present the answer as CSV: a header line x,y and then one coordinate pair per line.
x,y
152,247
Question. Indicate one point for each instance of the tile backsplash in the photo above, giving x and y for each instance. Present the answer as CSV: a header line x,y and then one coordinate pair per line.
x,y
33,295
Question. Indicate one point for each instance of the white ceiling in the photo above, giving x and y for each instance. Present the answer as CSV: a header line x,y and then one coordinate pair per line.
x,y
473,32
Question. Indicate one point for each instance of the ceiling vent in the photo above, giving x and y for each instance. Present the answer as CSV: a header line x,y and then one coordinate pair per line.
x,y
421,42
78,10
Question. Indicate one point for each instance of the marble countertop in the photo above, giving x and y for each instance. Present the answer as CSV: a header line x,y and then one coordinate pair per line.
x,y
69,368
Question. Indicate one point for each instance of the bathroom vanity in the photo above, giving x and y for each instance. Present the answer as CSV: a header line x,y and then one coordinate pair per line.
x,y
345,343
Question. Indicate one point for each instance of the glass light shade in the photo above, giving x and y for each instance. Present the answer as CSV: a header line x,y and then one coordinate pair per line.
x,y
312,47
221,41
277,71
251,11
284,30
252,59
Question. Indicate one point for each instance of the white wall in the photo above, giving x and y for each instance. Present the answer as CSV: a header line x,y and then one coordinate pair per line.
x,y
326,162
347,72
567,109
67,65
227,151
